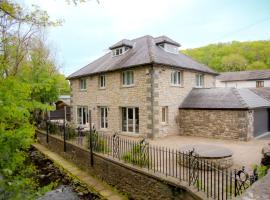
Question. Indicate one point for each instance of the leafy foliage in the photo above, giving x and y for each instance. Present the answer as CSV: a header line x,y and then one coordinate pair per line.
x,y
99,143
29,81
233,56
136,156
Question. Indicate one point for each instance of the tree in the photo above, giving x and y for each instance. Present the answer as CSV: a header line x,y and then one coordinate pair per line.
x,y
17,28
29,80
234,62
257,65
214,55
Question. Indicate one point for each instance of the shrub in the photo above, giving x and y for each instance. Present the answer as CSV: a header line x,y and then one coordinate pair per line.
x,y
99,143
52,128
71,132
136,156
261,170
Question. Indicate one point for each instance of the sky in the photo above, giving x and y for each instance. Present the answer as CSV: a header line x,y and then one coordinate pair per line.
x,y
90,28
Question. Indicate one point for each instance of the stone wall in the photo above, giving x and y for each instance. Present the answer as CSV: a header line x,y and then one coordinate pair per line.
x,y
135,182
115,96
221,124
172,96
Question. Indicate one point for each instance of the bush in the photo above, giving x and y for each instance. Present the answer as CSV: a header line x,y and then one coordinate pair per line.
x,y
70,132
99,143
261,170
136,156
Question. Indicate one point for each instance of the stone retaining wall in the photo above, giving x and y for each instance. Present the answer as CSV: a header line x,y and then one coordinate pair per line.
x,y
135,182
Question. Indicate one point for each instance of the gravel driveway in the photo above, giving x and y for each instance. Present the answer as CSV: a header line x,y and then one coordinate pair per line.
x,y
244,153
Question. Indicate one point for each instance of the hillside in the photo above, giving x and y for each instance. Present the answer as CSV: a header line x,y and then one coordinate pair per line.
x,y
233,56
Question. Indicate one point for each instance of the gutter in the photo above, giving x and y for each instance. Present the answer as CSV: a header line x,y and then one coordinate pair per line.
x,y
143,64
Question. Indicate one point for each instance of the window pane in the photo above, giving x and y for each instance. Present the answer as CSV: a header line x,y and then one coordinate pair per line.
x,y
202,80
163,114
124,119
137,120
102,117
132,77
123,78
130,120
106,117
84,115
197,80
79,114
179,78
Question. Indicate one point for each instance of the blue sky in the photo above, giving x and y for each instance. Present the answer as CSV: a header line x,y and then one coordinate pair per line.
x,y
90,28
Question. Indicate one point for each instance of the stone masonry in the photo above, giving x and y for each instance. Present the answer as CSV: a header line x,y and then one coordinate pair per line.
x,y
130,180
221,124
151,91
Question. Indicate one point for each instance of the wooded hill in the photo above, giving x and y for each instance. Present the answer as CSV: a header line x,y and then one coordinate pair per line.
x,y
233,56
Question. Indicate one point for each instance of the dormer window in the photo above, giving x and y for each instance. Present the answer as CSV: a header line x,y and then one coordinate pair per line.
x,y
169,47
119,51
121,47
167,44
162,45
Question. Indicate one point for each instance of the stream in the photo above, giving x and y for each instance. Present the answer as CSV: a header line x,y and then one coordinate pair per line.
x,y
65,188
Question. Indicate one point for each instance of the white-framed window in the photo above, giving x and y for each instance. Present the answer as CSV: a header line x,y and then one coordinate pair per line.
x,y
130,119
83,84
164,114
259,84
176,77
103,117
82,115
128,78
169,48
199,80
102,81
119,51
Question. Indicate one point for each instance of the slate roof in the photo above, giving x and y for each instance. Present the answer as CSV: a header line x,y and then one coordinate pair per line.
x,y
262,91
223,98
165,39
144,51
244,75
121,43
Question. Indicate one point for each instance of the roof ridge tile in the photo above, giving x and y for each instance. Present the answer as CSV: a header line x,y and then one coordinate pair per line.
x,y
235,91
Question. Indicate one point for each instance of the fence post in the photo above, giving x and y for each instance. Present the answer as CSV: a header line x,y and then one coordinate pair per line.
x,y
90,140
64,126
235,183
47,127
189,160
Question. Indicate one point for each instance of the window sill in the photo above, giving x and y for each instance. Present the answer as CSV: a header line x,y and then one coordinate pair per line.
x,y
102,88
128,86
104,129
199,87
130,134
83,90
164,124
179,86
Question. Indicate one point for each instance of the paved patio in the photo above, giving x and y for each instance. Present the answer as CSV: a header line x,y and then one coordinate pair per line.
x,y
244,153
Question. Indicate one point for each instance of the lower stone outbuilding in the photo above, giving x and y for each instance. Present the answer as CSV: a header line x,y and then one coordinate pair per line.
x,y
224,113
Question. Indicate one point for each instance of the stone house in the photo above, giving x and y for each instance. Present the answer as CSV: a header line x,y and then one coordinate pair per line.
x,y
146,88
136,88
244,79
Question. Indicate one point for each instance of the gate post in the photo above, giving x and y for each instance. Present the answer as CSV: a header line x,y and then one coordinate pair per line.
x,y
90,140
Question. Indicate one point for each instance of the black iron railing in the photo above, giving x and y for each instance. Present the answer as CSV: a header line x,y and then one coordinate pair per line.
x,y
215,181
